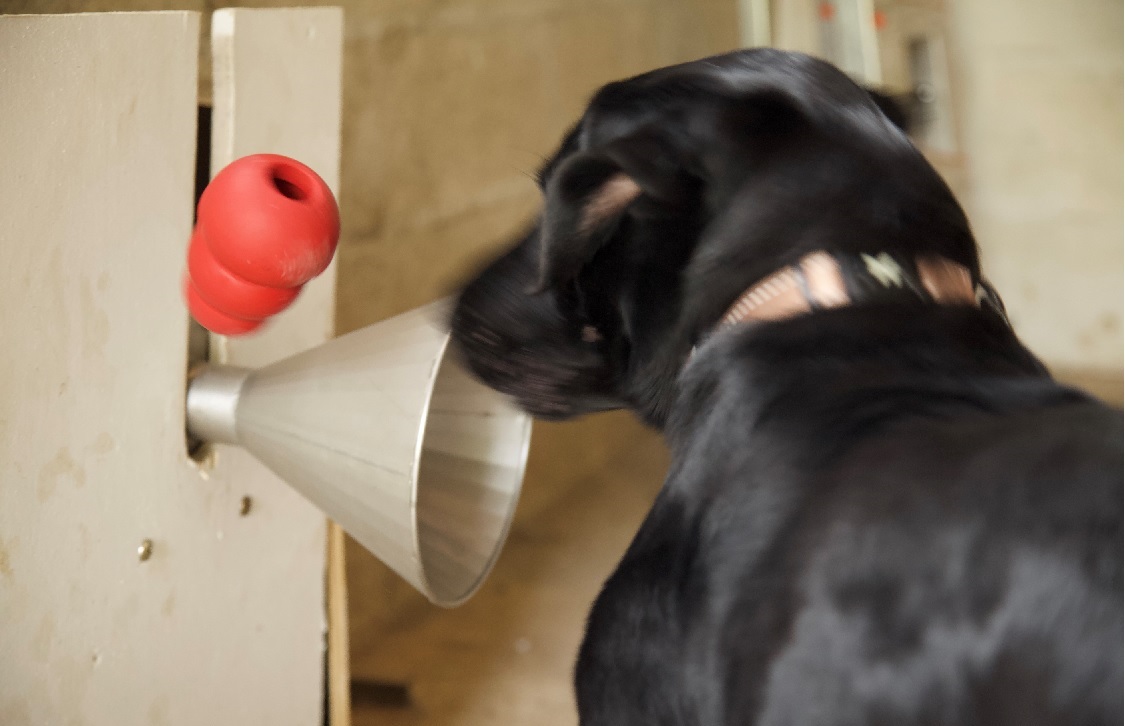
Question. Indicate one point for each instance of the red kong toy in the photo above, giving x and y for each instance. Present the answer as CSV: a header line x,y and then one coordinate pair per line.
x,y
267,225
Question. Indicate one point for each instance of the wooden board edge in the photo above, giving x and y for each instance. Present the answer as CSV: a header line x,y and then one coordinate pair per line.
x,y
339,656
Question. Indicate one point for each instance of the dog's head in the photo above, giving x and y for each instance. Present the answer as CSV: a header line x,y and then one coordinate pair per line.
x,y
675,191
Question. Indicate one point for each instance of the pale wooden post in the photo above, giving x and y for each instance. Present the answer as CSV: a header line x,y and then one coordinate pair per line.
x,y
135,586
277,76
132,588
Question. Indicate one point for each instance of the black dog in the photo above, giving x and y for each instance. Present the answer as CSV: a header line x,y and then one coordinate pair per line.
x,y
881,509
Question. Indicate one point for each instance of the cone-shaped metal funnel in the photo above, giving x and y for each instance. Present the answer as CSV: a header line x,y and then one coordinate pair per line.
x,y
413,457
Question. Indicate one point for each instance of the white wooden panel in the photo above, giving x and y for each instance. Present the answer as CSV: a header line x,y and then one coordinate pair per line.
x,y
277,76
277,80
224,623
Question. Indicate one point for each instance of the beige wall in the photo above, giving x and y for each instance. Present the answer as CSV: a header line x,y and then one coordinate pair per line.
x,y
1041,82
449,109
450,106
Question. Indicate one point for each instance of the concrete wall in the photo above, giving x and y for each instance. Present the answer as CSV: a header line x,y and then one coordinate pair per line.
x,y
1041,84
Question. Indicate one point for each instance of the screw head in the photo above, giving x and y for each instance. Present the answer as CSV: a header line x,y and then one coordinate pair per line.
x,y
144,550
245,506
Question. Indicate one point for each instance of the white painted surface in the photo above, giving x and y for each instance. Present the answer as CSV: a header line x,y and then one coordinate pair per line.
x,y
1042,113
277,77
277,90
754,23
224,624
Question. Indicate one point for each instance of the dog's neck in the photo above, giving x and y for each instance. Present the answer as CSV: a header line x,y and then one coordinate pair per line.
x,y
823,280
802,355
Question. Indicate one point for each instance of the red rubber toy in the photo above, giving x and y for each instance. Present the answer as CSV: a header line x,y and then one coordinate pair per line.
x,y
267,225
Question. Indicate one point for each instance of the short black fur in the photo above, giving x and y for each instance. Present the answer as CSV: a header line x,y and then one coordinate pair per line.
x,y
882,514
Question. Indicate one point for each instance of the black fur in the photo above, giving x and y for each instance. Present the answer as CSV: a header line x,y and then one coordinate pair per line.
x,y
881,514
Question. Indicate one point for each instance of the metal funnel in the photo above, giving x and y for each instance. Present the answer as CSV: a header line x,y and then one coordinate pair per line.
x,y
391,438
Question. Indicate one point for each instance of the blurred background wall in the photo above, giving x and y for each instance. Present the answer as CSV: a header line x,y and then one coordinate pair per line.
x,y
1040,82
1025,123
449,107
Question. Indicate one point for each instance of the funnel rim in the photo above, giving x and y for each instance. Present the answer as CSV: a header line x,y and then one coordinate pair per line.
x,y
416,467
502,535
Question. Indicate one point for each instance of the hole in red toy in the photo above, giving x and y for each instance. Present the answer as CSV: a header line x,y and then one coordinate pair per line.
x,y
288,182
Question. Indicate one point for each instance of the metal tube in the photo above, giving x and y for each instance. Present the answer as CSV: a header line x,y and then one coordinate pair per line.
x,y
212,403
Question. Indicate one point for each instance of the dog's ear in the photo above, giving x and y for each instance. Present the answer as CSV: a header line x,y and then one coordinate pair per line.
x,y
588,193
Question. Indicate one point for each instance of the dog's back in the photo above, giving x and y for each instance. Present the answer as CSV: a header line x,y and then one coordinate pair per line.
x,y
873,546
